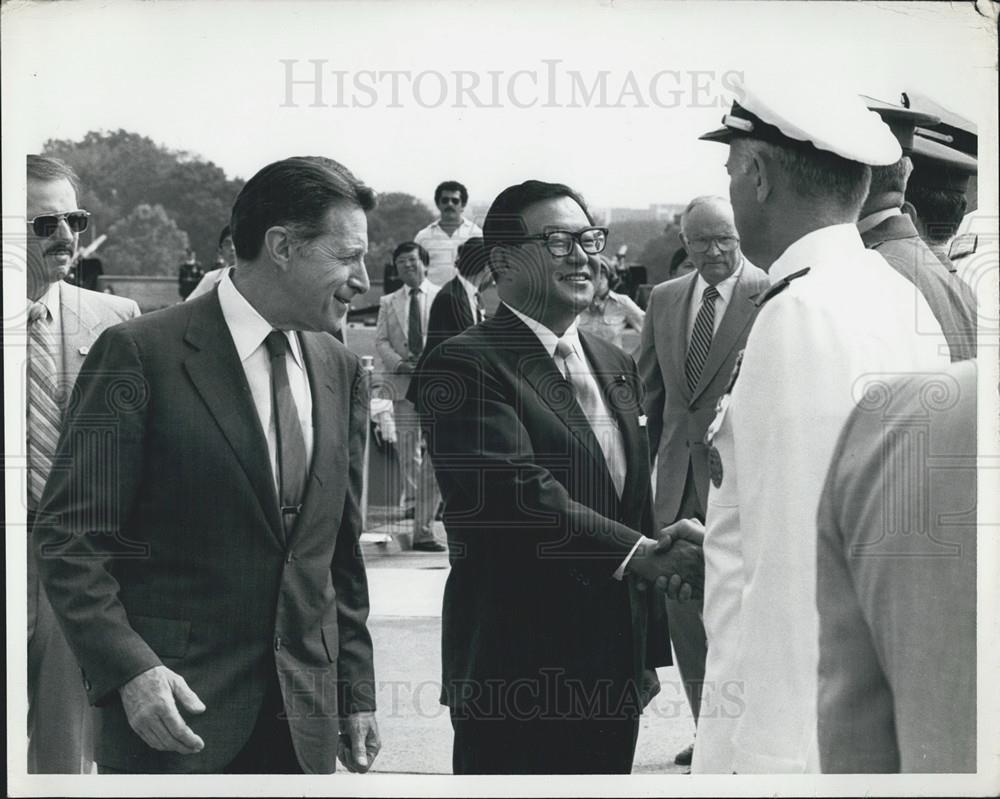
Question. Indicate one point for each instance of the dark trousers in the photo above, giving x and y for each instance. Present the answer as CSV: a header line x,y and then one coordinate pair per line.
x,y
687,630
543,746
269,750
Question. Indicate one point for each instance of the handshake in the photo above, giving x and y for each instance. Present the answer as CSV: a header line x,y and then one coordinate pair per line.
x,y
675,562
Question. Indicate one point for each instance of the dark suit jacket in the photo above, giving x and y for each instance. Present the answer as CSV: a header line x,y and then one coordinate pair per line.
x,y
950,299
449,315
162,541
677,418
535,529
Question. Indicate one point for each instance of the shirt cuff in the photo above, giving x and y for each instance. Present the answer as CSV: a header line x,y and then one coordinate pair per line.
x,y
620,571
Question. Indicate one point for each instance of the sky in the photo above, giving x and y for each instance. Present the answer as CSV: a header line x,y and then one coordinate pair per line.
x,y
486,93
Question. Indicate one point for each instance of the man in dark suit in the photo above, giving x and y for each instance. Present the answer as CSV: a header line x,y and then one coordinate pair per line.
x,y
884,227
544,469
458,305
221,623
695,327
62,322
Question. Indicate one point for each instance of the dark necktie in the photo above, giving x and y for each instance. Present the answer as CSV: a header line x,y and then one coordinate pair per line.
x,y
291,445
414,330
701,338
44,408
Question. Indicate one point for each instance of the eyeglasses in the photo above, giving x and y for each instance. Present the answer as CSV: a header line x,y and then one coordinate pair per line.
x,y
559,243
47,224
450,201
724,243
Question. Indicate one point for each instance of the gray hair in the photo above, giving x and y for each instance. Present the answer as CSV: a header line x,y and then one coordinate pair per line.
x,y
814,174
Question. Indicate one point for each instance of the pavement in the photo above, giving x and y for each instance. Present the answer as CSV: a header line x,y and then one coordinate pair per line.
x,y
406,589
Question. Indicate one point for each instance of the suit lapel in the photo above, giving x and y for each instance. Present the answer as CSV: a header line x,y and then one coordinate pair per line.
x,y
326,441
674,316
217,374
535,366
460,302
80,327
623,404
736,318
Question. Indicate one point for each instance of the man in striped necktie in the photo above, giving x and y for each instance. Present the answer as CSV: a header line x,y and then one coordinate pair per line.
x,y
695,327
62,322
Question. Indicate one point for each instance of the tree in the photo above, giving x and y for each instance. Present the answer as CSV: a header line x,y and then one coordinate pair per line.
x,y
121,170
396,219
146,242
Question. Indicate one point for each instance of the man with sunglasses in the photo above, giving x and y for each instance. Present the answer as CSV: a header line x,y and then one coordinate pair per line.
x,y
549,644
695,327
443,237
63,321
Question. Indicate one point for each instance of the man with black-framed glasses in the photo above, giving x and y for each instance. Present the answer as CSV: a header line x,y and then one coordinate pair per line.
x,y
549,644
442,237
61,323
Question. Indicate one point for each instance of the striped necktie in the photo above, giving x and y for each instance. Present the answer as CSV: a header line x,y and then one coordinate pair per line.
x,y
603,425
44,406
701,338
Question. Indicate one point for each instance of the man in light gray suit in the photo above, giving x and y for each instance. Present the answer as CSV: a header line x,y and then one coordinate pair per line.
x,y
63,321
400,338
695,328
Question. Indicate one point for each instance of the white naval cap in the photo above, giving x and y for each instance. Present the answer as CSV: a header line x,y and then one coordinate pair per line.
x,y
800,115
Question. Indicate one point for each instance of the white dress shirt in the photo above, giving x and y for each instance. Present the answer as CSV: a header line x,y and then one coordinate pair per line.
x,y
249,329
443,248
725,289
470,292
813,352
606,426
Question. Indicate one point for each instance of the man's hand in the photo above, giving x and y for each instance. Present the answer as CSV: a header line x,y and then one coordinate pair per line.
x,y
676,563
359,742
650,686
149,702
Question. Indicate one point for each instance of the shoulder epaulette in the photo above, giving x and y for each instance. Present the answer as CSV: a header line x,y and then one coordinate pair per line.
x,y
963,245
780,286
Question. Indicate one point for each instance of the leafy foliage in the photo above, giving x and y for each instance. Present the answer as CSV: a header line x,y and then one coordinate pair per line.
x,y
120,171
146,242
397,218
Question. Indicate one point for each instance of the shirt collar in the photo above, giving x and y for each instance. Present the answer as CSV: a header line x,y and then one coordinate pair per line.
x,y
463,225
724,287
247,327
470,289
876,219
50,299
826,245
546,337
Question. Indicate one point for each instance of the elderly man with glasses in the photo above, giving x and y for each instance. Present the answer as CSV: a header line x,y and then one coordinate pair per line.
x,y
695,327
63,321
549,644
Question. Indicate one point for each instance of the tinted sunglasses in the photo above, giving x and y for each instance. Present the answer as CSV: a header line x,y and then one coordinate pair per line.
x,y
47,224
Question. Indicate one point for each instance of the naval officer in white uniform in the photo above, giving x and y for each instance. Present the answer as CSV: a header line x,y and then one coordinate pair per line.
x,y
836,320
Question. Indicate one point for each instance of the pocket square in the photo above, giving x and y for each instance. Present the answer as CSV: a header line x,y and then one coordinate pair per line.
x,y
642,420
83,350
